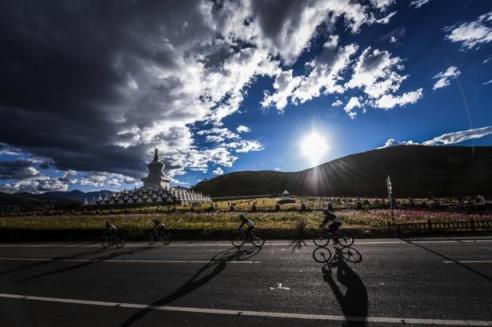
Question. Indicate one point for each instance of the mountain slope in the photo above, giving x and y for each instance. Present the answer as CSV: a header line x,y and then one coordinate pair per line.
x,y
415,171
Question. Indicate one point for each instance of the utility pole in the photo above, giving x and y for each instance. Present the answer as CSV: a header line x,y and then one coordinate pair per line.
x,y
390,198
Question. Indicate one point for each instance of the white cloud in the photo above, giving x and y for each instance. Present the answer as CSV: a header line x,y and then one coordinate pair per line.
x,y
337,103
218,171
392,142
376,73
446,139
389,101
244,146
352,104
382,4
487,82
243,129
36,184
323,78
418,3
386,19
102,179
472,34
444,78
460,136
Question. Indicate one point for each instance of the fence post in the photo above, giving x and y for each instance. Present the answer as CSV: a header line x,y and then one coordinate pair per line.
x,y
472,224
429,224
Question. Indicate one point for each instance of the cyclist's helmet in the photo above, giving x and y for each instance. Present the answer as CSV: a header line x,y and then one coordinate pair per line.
x,y
242,217
157,222
108,224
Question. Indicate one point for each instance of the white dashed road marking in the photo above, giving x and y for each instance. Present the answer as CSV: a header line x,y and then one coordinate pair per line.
x,y
301,316
102,260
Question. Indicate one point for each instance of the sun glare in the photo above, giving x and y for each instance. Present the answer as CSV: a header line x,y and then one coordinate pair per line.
x,y
313,147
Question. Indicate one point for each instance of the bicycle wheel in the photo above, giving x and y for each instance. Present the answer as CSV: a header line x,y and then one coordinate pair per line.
x,y
119,242
346,239
320,239
166,238
257,241
351,255
322,254
151,240
105,243
237,240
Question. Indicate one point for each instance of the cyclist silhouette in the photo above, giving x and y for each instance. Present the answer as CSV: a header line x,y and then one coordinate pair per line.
x,y
247,222
330,216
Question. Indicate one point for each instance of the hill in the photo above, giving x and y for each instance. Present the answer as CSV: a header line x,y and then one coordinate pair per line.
x,y
30,200
415,170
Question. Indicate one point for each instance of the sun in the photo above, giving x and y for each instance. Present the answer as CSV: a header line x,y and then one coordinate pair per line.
x,y
313,147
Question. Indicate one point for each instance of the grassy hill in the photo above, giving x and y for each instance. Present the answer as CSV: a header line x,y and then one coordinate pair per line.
x,y
415,171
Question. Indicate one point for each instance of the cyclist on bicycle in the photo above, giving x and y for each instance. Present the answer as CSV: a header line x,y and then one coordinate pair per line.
x,y
111,229
247,222
330,216
158,227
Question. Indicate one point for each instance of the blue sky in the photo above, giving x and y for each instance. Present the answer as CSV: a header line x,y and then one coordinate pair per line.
x,y
400,72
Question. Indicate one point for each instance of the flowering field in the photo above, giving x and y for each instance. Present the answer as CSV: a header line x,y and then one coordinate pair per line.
x,y
229,220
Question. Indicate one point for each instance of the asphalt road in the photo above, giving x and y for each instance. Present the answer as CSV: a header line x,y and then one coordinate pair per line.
x,y
418,282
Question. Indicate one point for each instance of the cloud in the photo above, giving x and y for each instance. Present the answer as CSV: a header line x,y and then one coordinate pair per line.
x,y
392,142
17,169
471,34
461,136
337,103
418,3
323,78
389,101
243,129
446,139
444,78
352,103
245,146
382,4
218,171
36,184
487,82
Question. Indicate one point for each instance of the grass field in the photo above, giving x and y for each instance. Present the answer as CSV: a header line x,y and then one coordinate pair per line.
x,y
188,222
229,220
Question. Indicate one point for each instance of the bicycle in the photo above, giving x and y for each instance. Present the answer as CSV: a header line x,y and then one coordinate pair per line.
x,y
323,237
112,241
160,235
239,238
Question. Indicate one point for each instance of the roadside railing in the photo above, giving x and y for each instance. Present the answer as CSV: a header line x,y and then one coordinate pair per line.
x,y
470,225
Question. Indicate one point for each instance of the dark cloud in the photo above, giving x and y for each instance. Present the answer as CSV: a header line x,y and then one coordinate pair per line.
x,y
17,169
66,65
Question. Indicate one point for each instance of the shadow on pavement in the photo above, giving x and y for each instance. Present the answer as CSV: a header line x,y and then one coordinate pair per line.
x,y
449,259
204,275
297,244
354,301
86,263
53,260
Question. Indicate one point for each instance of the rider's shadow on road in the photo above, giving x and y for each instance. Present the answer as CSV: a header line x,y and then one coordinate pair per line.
x,y
354,301
204,275
85,263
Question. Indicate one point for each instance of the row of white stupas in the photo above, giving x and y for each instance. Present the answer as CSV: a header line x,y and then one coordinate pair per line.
x,y
169,195
156,189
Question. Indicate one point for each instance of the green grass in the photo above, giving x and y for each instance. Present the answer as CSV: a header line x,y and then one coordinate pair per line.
x,y
225,220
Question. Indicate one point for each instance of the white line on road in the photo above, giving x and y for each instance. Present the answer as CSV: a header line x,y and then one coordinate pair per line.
x,y
302,316
468,261
102,260
227,244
